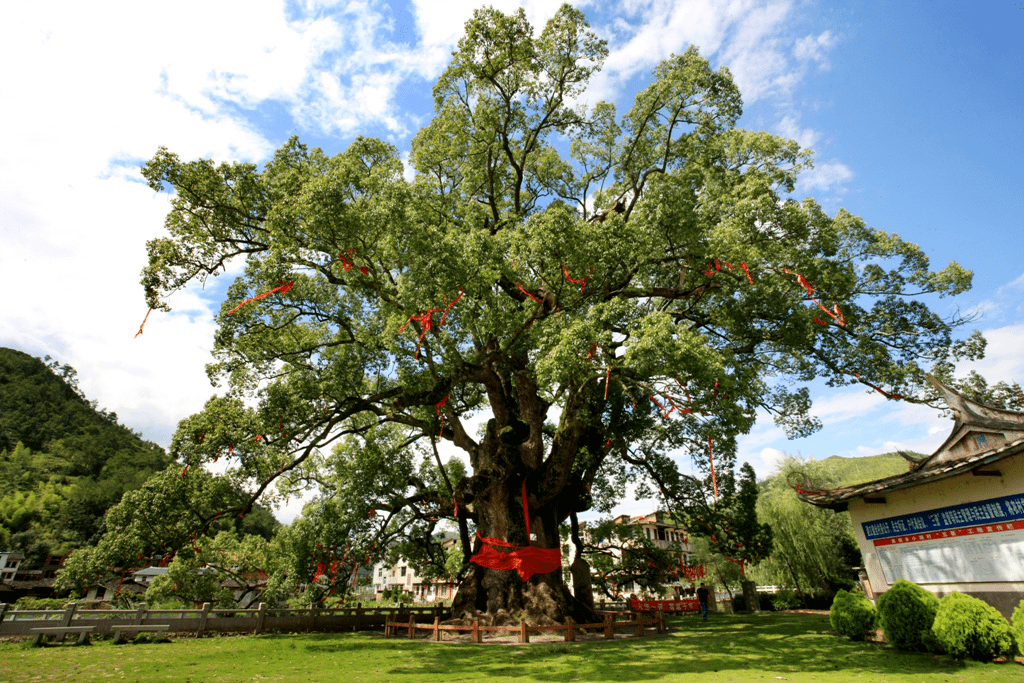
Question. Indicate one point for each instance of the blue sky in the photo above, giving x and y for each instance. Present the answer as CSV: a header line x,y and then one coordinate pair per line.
x,y
913,110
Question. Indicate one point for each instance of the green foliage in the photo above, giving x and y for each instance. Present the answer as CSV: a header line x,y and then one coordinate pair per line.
x,y
906,613
30,603
193,516
63,463
622,555
814,549
785,600
852,615
966,627
1017,627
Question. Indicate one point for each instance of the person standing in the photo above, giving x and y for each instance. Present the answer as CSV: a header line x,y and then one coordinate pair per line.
x,y
702,596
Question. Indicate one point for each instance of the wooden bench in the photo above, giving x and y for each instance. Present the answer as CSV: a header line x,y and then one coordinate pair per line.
x,y
136,629
61,631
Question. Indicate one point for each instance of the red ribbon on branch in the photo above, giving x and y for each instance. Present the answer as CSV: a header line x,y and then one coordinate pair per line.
x,y
524,560
437,409
144,322
894,397
711,459
743,571
837,316
283,289
527,293
582,283
694,573
426,320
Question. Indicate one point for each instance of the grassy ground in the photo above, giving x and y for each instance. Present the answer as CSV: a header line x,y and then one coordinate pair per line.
x,y
768,647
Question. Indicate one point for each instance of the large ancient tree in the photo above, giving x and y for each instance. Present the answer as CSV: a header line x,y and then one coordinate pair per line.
x,y
606,312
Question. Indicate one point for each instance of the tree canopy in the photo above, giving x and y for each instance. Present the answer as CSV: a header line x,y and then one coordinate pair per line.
x,y
607,312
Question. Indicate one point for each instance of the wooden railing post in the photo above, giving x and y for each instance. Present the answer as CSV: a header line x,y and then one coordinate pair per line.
x,y
609,626
437,629
311,620
140,613
203,616
640,626
412,625
359,617
3,610
69,613
570,630
476,632
261,617
524,633
660,624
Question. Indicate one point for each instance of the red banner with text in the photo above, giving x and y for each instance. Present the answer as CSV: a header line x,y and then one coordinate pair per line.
x,y
664,605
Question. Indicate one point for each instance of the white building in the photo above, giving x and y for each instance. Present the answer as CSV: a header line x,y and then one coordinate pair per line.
x,y
9,563
955,520
403,577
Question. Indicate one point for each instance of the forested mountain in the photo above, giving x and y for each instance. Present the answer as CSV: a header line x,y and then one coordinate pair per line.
x,y
63,461
840,471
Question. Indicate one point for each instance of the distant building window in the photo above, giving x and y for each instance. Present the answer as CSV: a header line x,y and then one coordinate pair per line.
x,y
403,571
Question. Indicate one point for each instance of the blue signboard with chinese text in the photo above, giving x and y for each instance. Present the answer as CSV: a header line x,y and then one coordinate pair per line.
x,y
991,511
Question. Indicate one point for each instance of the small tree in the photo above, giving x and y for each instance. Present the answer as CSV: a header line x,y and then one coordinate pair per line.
x,y
621,555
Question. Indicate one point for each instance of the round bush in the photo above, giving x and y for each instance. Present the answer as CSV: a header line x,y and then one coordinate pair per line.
x,y
1018,626
906,613
852,615
968,627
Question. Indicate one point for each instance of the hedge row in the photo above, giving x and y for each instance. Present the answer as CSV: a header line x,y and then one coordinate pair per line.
x,y
960,625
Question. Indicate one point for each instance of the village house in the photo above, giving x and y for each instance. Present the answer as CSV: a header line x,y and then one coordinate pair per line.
x,y
955,520
402,576
9,563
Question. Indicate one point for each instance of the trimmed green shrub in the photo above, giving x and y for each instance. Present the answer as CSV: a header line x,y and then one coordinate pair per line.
x,y
968,627
906,613
852,615
1018,626
785,599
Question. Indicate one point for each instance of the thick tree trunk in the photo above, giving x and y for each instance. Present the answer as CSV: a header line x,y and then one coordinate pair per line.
x,y
512,460
582,586
501,596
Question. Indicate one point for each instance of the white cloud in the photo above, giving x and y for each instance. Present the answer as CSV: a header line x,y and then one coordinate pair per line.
x,y
814,48
1003,360
826,176
790,127
849,405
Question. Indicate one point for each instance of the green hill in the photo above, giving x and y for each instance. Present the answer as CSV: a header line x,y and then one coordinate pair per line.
x,y
63,461
850,471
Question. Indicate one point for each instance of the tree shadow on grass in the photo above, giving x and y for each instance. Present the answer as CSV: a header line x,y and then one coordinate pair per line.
x,y
769,642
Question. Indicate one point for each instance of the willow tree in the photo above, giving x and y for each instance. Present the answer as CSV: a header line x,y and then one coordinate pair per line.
x,y
604,313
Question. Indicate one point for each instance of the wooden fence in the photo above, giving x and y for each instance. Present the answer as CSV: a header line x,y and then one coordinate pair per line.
x,y
635,624
209,619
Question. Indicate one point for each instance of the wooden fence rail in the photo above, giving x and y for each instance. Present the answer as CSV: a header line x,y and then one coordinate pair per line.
x,y
635,623
211,619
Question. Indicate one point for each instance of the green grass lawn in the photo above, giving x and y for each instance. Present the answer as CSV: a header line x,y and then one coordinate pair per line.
x,y
768,647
